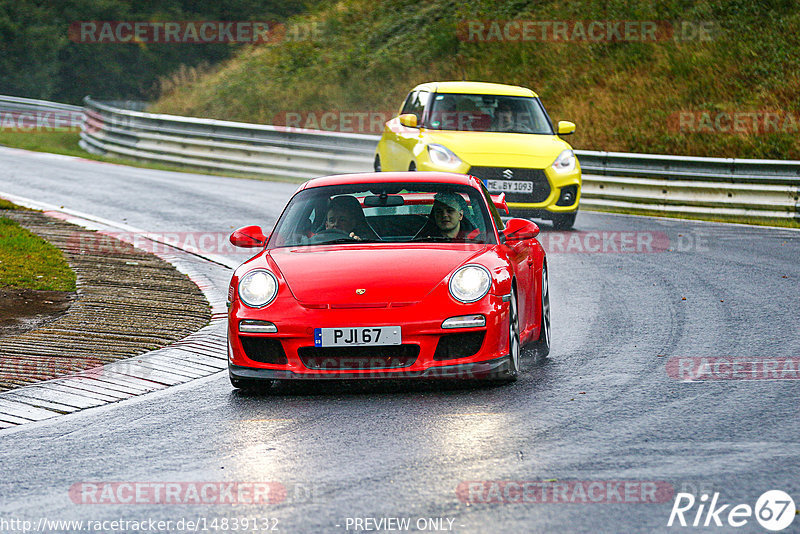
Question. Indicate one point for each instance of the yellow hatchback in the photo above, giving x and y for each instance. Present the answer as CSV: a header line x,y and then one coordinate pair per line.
x,y
498,133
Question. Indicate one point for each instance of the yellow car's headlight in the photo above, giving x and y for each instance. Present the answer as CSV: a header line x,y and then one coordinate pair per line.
x,y
565,162
442,156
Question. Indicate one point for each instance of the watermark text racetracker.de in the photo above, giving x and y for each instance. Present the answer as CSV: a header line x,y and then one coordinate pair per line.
x,y
14,368
741,122
203,493
40,121
621,241
604,242
153,242
377,121
189,32
334,120
699,368
584,31
565,492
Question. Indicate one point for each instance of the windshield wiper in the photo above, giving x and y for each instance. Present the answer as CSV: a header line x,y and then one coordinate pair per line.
x,y
434,239
340,240
337,241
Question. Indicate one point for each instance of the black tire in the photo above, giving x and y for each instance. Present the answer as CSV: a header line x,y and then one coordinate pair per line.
x,y
514,345
412,166
377,164
541,346
564,221
511,371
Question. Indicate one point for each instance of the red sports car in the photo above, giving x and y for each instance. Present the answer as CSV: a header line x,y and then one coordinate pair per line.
x,y
388,275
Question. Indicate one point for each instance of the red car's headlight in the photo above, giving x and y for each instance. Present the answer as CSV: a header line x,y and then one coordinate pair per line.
x,y
470,283
258,288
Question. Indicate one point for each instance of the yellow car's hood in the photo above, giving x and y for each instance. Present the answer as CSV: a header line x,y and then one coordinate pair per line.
x,y
500,149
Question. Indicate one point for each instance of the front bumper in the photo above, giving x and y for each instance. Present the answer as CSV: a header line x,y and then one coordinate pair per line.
x,y
496,368
433,351
560,185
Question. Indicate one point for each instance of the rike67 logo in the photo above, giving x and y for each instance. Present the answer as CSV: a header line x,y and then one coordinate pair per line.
x,y
774,511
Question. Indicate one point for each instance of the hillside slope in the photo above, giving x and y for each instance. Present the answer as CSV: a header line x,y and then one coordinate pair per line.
x,y
717,79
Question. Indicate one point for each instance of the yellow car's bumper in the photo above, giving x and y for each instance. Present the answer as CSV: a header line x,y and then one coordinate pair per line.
x,y
565,193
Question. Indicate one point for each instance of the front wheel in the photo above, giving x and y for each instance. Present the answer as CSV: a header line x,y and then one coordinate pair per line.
x,y
412,167
564,221
541,346
377,163
511,372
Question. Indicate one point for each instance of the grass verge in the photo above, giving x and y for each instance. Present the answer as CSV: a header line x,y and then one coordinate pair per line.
x,y
6,205
29,262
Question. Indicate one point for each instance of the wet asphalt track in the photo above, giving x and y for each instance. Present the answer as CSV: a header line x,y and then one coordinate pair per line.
x,y
601,408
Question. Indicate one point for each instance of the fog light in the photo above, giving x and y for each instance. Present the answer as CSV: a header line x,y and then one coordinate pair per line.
x,y
568,196
465,321
250,326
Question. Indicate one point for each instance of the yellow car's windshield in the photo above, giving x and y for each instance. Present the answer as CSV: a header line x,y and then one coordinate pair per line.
x,y
488,113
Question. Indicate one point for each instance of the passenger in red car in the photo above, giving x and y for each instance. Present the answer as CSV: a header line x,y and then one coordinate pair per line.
x,y
448,216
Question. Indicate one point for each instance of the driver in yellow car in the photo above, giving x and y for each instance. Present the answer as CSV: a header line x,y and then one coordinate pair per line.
x,y
504,120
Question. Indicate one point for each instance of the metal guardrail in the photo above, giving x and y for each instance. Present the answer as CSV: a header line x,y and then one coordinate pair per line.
x,y
726,188
15,103
734,189
28,114
224,146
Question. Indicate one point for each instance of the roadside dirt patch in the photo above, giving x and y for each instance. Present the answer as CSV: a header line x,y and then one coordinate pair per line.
x,y
22,310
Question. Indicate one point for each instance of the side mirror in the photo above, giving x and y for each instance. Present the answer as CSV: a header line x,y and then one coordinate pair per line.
x,y
248,237
499,202
409,120
566,128
520,230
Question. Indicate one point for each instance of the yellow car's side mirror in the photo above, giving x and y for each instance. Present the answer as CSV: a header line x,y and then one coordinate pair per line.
x,y
409,120
566,128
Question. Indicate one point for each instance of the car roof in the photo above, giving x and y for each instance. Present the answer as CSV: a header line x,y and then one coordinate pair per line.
x,y
476,88
392,177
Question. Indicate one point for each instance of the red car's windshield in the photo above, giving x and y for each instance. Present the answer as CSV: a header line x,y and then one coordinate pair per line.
x,y
387,212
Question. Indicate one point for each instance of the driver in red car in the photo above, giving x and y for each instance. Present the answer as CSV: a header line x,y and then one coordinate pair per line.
x,y
345,215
